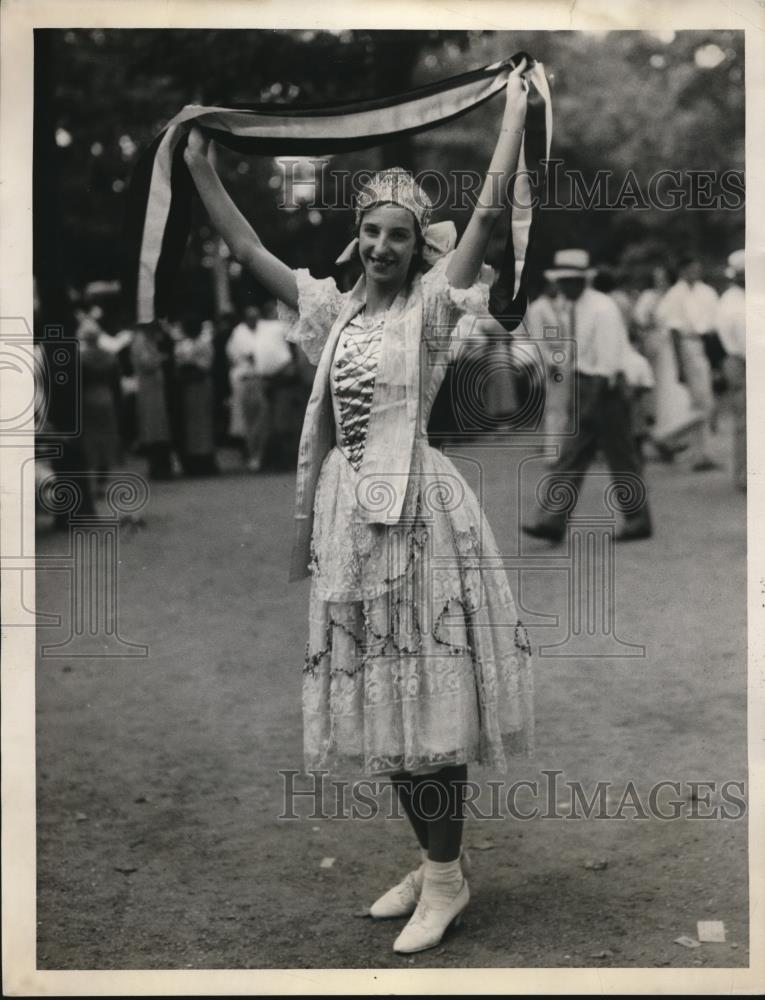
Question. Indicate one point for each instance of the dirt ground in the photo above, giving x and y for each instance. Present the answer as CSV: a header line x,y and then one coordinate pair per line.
x,y
159,842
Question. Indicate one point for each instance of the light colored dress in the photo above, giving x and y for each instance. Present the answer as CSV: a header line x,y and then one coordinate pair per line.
x,y
153,422
415,657
194,358
261,352
100,408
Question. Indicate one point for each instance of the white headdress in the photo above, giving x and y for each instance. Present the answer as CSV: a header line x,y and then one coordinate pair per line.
x,y
398,187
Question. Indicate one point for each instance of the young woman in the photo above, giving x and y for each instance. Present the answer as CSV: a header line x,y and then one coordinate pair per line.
x,y
101,404
151,357
416,664
194,357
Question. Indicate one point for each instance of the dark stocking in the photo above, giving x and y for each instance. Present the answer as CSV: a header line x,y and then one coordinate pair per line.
x,y
434,806
405,785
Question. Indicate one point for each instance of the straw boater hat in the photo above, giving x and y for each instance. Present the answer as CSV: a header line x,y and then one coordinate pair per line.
x,y
736,262
570,264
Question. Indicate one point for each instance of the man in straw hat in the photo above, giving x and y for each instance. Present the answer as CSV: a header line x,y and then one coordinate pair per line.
x,y
731,327
604,419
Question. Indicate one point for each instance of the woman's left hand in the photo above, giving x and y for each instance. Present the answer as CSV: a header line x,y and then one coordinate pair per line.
x,y
516,94
197,147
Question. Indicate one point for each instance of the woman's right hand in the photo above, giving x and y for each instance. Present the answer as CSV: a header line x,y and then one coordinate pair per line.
x,y
197,147
516,94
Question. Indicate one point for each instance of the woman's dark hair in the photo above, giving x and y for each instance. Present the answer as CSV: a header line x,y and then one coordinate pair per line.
x,y
417,265
191,324
648,279
604,281
686,259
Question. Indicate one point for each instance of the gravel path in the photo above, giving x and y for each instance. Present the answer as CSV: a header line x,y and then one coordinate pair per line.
x,y
159,842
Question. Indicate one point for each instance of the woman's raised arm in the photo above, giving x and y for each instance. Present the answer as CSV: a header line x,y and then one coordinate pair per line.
x,y
241,239
467,258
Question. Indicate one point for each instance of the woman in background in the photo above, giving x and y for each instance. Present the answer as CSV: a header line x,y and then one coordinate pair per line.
x,y
258,352
150,355
101,403
194,356
667,404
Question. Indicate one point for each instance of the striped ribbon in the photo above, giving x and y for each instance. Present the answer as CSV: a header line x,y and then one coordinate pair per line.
x,y
161,188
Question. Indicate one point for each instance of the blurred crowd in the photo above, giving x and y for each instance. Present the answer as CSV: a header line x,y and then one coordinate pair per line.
x,y
685,360
177,393
672,340
649,363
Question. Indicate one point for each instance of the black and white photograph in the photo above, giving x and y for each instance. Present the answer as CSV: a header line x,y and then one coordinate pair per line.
x,y
379,439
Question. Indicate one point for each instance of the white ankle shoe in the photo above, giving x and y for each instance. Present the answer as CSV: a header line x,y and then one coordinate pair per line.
x,y
401,900
428,924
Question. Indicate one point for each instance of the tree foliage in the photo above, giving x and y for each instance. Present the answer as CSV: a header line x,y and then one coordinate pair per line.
x,y
623,102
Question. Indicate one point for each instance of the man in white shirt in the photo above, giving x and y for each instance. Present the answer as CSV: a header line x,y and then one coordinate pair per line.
x,y
257,351
604,418
731,327
689,311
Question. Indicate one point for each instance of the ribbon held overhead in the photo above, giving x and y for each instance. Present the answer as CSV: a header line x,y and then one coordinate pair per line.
x,y
161,189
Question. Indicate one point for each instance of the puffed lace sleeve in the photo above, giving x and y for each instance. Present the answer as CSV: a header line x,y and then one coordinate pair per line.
x,y
444,305
319,304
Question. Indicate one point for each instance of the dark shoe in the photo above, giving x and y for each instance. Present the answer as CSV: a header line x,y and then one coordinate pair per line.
x,y
546,531
706,465
634,532
666,452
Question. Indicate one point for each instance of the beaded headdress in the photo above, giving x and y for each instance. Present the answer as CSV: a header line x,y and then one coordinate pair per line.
x,y
399,187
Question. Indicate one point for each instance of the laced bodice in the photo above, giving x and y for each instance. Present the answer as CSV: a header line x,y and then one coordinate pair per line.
x,y
354,369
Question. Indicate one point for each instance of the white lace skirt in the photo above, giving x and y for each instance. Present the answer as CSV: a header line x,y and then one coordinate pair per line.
x,y
415,658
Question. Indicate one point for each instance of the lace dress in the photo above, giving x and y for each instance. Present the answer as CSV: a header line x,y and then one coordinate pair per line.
x,y
415,656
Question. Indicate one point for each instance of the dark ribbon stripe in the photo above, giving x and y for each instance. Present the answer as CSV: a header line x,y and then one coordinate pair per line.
x,y
176,228
507,308
302,146
390,101
176,232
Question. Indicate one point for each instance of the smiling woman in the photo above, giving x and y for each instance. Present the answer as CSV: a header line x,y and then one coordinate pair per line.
x,y
388,245
416,663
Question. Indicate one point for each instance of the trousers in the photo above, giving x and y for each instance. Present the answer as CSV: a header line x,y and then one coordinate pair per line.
x,y
604,423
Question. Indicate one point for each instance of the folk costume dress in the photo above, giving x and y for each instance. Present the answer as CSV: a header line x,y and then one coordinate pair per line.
x,y
415,657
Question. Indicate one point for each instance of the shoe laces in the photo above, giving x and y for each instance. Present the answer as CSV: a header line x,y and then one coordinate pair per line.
x,y
408,887
421,914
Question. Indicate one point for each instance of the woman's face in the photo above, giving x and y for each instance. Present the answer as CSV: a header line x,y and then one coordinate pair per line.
x,y
387,242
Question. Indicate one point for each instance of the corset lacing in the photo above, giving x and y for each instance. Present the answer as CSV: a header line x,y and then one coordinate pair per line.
x,y
353,379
